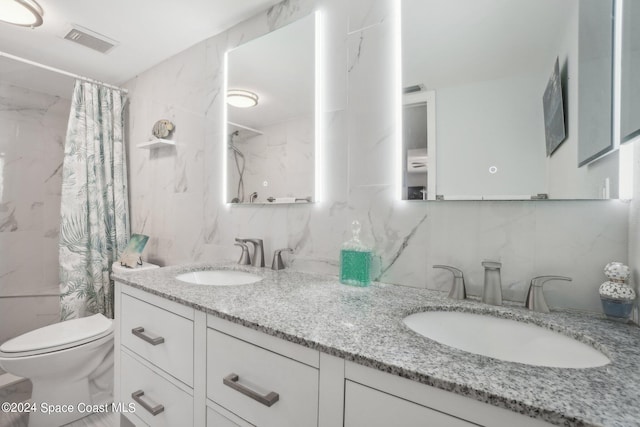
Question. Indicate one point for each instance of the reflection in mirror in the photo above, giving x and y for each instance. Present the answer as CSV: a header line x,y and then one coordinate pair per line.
x,y
271,117
595,118
630,92
478,70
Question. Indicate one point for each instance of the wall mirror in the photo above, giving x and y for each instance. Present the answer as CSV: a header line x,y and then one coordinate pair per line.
x,y
474,76
271,117
630,92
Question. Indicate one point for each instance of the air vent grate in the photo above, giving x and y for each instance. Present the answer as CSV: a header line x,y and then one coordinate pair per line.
x,y
90,39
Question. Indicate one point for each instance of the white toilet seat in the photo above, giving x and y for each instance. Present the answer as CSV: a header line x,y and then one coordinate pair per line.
x,y
59,336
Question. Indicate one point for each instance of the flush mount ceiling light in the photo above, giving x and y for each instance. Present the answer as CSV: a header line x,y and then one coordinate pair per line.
x,y
26,13
241,98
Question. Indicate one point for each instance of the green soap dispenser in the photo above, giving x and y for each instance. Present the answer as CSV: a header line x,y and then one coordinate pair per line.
x,y
355,260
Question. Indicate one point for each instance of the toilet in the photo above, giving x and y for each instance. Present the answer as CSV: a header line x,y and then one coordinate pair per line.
x,y
70,365
59,359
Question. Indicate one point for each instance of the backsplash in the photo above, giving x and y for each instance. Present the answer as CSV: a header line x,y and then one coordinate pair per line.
x,y
177,195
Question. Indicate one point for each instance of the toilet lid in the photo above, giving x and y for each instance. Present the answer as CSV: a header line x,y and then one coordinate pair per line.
x,y
67,334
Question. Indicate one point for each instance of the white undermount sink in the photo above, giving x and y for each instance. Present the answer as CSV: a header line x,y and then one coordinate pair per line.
x,y
505,339
218,277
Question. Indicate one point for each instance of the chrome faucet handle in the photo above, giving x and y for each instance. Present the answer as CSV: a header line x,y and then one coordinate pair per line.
x,y
258,252
492,290
245,259
535,296
277,263
458,289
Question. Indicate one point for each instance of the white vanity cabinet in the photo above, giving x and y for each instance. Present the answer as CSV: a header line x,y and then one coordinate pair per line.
x,y
187,368
261,379
162,337
374,398
365,406
154,358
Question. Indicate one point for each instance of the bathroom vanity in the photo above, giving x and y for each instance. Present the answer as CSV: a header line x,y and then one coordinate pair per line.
x,y
303,350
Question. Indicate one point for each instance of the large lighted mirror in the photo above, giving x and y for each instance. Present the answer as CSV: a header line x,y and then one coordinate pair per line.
x,y
630,91
271,117
508,100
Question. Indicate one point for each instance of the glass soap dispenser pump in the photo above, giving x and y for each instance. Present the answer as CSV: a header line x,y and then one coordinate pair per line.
x,y
355,260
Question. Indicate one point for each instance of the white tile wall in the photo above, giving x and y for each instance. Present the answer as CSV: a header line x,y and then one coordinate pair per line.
x,y
32,131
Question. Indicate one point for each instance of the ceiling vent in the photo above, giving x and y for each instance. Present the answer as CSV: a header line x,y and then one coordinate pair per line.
x,y
90,39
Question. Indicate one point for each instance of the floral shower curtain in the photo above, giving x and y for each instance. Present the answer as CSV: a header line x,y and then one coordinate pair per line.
x,y
94,226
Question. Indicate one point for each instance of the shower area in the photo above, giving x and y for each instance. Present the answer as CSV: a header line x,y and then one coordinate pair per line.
x,y
63,208
34,111
61,145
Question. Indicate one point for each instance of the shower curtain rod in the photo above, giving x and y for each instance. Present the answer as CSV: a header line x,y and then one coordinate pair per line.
x,y
59,71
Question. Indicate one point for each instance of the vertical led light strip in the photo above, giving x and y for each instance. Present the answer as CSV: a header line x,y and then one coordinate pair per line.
x,y
397,94
319,124
625,154
225,137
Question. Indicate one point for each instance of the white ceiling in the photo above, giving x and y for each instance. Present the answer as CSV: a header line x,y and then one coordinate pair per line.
x,y
148,32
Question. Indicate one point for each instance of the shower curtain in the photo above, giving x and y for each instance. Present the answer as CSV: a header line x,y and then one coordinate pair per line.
x,y
94,226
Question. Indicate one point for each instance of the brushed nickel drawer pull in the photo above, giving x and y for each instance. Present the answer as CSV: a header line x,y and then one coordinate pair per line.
x,y
139,332
153,410
232,380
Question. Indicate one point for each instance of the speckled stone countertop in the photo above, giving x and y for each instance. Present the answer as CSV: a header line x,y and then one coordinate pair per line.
x,y
365,325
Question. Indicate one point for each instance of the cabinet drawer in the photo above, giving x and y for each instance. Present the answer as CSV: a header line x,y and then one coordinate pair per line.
x,y
177,404
365,406
253,371
130,420
163,338
216,419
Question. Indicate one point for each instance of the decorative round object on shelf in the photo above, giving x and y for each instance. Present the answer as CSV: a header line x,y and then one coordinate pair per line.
x,y
163,129
616,295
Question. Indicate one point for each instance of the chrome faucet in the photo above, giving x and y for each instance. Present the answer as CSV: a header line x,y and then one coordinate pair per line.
x,y
245,259
258,251
535,296
492,293
458,290
277,263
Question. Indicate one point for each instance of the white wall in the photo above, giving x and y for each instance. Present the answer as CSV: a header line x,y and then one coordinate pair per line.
x,y
32,132
176,196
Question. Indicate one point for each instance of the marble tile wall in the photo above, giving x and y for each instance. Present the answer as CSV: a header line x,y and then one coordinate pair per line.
x,y
177,197
32,132
634,227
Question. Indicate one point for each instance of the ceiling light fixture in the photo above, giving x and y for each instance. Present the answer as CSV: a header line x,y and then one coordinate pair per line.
x,y
26,13
241,98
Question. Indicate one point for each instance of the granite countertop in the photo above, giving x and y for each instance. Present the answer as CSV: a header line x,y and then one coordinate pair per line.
x,y
365,325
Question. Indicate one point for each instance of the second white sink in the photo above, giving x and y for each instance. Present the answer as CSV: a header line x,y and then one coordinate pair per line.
x,y
505,339
218,277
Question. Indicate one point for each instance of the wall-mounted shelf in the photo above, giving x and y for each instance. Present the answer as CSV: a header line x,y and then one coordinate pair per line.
x,y
243,132
156,143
